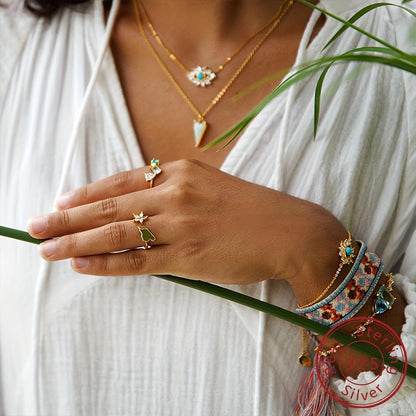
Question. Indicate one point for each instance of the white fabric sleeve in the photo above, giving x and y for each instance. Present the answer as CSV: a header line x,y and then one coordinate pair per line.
x,y
14,29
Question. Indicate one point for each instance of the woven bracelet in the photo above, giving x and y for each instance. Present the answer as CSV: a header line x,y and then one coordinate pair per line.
x,y
351,294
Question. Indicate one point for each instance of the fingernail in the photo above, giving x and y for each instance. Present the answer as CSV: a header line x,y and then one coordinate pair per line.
x,y
65,200
79,263
37,225
48,248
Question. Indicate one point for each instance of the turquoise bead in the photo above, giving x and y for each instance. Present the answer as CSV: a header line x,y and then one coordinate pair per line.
x,y
200,75
348,251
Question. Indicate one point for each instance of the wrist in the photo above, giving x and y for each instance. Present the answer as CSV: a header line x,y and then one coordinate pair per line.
x,y
347,298
322,276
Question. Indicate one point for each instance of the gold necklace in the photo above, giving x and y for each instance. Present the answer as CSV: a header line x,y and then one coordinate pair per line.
x,y
201,75
200,125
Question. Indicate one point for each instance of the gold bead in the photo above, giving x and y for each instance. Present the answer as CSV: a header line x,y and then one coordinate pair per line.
x,y
305,359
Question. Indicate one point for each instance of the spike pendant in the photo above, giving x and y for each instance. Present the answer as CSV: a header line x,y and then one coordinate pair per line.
x,y
200,127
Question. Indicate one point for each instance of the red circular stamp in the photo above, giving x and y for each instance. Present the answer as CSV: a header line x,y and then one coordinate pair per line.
x,y
365,372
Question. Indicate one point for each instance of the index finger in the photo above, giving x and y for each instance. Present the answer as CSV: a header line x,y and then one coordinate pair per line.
x,y
116,185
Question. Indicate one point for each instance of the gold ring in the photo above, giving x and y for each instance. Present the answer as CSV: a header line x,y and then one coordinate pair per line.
x,y
145,234
154,171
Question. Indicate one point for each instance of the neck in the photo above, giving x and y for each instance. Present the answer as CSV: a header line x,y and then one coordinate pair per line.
x,y
214,18
213,25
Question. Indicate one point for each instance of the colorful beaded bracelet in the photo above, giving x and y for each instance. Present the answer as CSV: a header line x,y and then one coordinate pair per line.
x,y
351,294
384,302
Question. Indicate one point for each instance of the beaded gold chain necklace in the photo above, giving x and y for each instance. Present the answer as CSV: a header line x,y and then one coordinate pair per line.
x,y
201,75
200,125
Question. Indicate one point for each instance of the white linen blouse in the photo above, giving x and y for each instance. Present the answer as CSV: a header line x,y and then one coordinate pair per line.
x,y
74,345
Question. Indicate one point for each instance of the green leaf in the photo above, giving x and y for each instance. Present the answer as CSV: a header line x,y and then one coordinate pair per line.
x,y
244,300
349,24
19,235
386,55
387,51
318,92
302,72
309,69
284,314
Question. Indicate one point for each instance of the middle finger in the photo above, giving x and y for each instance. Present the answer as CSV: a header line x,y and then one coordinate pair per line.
x,y
92,215
117,236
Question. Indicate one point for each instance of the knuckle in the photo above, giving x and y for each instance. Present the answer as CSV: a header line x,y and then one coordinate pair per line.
x,y
107,209
183,175
192,249
187,166
68,244
64,218
179,192
99,266
84,193
115,235
104,266
186,222
135,261
122,178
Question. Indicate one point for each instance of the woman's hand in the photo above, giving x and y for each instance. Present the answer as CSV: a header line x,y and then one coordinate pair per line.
x,y
208,226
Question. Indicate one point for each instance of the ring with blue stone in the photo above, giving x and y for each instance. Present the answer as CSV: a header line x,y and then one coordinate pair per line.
x,y
154,171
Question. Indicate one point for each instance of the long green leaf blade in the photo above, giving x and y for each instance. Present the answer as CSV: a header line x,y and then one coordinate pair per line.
x,y
278,312
362,12
346,22
318,93
19,235
238,298
310,69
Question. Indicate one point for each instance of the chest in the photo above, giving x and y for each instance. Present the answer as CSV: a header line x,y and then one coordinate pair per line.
x,y
164,105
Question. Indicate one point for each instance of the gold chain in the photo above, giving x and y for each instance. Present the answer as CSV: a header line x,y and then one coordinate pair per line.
x,y
305,359
201,115
229,58
283,9
343,261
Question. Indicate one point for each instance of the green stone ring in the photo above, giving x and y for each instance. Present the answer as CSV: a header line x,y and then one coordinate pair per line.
x,y
145,234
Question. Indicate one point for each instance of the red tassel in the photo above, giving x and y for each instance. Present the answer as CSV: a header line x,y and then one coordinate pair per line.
x,y
314,399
